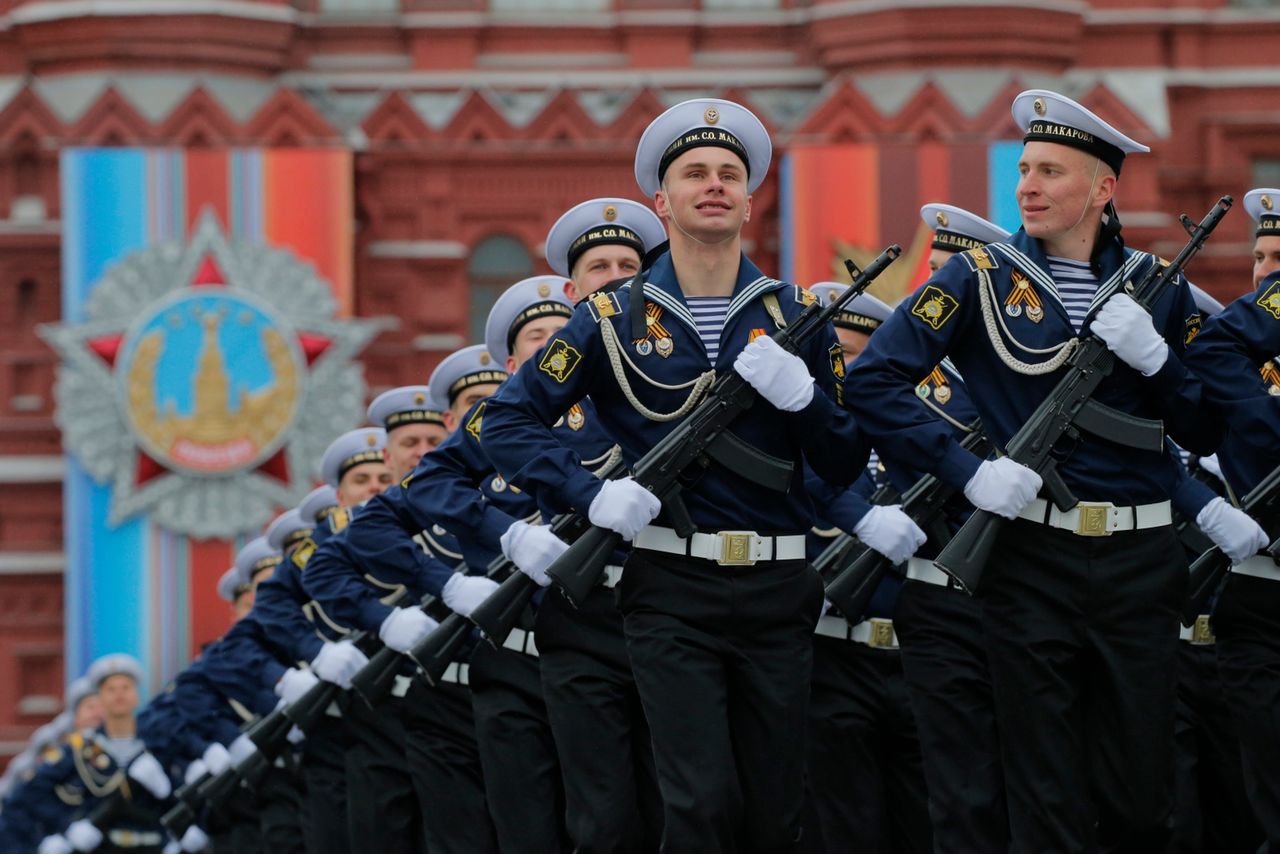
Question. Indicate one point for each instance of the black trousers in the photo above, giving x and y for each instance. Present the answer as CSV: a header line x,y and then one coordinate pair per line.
x,y
1247,624
444,761
382,805
1082,641
517,751
1211,811
234,828
722,657
279,800
606,754
944,660
864,753
324,776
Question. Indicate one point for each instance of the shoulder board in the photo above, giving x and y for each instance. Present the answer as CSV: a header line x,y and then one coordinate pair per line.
x,y
339,519
51,754
76,740
476,419
602,305
303,553
979,259
804,296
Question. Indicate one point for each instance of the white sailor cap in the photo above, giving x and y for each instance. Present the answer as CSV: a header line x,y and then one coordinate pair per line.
x,y
1207,305
116,664
1263,204
957,230
77,690
697,123
1049,117
255,556
467,367
408,404
362,445
526,300
287,530
864,313
49,734
318,505
601,222
231,585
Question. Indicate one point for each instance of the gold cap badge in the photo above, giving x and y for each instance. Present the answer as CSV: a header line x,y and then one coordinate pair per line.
x,y
371,440
419,399
544,290
1038,106
1267,204
610,213
485,359
711,116
941,217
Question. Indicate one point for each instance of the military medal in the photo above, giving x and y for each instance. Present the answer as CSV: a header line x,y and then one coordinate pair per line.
x,y
576,417
644,346
1271,376
923,390
1035,314
655,333
664,347
498,484
942,394
1013,310
1023,294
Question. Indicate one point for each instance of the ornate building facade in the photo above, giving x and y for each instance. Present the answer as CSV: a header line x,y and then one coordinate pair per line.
x,y
474,123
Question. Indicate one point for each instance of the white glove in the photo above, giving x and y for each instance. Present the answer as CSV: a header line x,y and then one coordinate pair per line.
x,y
195,771
623,506
147,771
194,839
338,662
533,548
1128,332
891,532
1231,530
405,627
463,593
780,377
241,749
173,846
1212,466
82,835
294,683
295,735
55,844
1003,487
216,758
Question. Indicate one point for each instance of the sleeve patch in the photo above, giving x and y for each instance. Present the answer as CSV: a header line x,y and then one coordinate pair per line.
x,y
979,259
805,296
559,360
1270,300
837,369
934,306
475,421
602,305
1191,328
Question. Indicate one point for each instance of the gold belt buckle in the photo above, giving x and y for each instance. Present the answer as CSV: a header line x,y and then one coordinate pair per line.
x,y
1092,520
1201,633
735,548
881,634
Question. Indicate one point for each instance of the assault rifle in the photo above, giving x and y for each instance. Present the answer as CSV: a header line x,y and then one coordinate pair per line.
x,y
925,502
1070,409
1211,568
675,462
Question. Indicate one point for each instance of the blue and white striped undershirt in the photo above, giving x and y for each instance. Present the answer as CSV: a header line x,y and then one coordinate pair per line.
x,y
1076,286
709,314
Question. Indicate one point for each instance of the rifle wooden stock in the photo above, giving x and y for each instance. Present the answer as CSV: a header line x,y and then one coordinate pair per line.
x,y
437,650
1069,407
578,570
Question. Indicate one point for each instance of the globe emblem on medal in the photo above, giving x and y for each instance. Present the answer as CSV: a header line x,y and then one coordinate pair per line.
x,y
210,381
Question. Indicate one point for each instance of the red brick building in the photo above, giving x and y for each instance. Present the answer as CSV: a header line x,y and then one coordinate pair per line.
x,y
476,122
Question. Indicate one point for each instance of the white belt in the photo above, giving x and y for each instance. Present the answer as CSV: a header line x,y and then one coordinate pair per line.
x,y
459,673
612,575
402,686
521,641
1098,518
727,548
1259,566
1198,633
874,632
923,569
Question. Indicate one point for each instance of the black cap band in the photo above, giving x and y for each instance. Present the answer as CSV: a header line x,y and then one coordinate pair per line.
x,y
547,308
604,234
1046,131
698,138
477,378
1268,226
267,562
857,322
412,416
358,459
325,512
954,241
296,537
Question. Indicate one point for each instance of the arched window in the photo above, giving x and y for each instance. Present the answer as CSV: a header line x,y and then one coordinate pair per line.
x,y
497,263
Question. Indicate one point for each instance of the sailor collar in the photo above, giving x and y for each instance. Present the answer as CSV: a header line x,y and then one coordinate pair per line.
x,y
661,286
